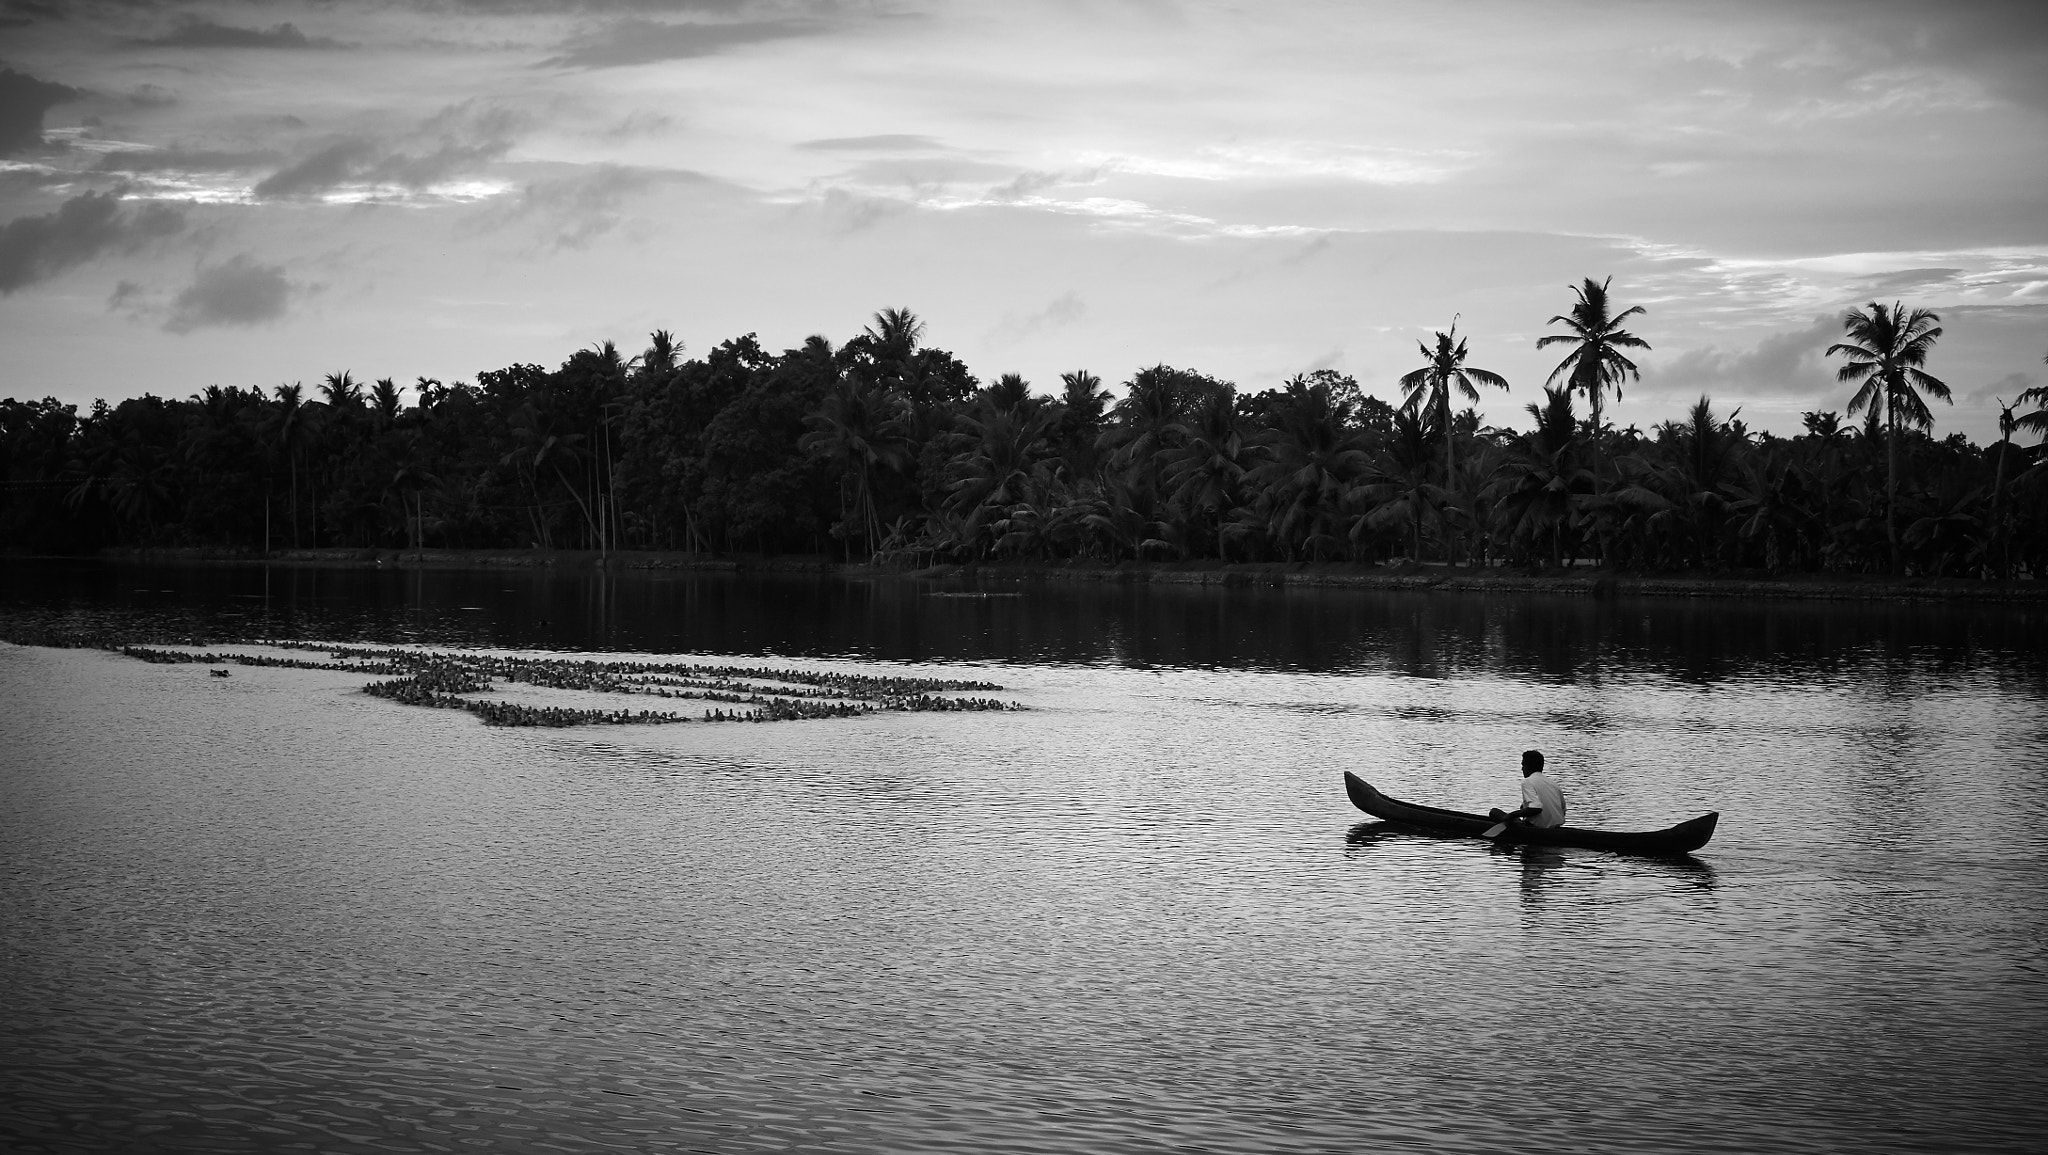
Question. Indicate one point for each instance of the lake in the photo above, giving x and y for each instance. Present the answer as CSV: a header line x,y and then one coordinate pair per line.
x,y
269,912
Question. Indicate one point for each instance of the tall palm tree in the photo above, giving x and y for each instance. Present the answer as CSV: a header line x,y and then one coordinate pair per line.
x,y
1885,350
1596,362
288,425
1444,369
1994,551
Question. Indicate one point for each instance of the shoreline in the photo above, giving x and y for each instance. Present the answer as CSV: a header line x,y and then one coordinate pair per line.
x,y
1584,581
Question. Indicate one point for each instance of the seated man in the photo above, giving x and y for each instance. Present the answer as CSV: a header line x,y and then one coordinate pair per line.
x,y
1542,801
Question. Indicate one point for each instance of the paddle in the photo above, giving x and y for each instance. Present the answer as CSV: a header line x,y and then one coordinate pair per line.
x,y
1495,831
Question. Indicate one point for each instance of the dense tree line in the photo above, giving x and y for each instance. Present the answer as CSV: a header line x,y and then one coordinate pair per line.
x,y
889,449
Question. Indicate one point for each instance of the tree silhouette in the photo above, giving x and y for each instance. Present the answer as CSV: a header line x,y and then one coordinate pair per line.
x,y
1444,370
1596,362
1885,350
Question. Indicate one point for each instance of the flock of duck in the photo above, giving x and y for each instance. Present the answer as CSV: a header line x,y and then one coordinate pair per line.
x,y
464,681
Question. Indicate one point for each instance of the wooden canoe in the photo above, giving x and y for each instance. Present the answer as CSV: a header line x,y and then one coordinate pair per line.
x,y
1679,839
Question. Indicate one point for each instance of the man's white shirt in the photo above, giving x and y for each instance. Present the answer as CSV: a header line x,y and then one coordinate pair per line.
x,y
1539,789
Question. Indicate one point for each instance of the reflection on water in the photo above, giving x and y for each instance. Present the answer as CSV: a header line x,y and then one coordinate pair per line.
x,y
269,912
1165,625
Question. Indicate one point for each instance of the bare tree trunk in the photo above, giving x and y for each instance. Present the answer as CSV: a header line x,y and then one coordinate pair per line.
x,y
1599,466
1891,481
1450,482
1997,548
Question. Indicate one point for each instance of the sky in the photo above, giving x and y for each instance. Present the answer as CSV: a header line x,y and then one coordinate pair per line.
x,y
247,194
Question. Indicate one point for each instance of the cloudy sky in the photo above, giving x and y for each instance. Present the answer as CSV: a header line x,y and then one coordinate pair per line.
x,y
250,193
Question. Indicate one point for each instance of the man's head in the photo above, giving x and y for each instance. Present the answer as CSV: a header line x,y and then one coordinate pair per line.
x,y
1532,761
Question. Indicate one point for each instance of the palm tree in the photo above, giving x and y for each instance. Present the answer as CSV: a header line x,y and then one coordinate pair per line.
x,y
385,402
1082,405
896,333
1397,490
2037,421
1443,369
1595,363
1010,393
1315,464
1206,473
1701,450
1772,500
859,429
1541,491
660,358
996,452
1154,402
289,426
1885,350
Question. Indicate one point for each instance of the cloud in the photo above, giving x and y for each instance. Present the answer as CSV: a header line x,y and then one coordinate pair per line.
x,y
34,248
1790,363
1905,282
454,141
207,34
151,96
331,166
630,42
581,207
886,142
1066,309
185,160
238,291
2004,389
23,101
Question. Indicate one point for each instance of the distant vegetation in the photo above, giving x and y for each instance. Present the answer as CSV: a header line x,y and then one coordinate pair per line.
x,y
887,449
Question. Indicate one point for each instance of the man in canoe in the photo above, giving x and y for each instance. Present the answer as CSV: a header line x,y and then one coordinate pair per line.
x,y
1542,800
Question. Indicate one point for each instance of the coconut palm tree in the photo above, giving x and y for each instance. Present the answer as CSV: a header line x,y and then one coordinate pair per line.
x,y
660,358
1206,474
1443,370
860,430
1315,462
995,459
1885,350
1596,362
1396,490
385,402
1011,393
1540,492
288,426
2037,421
896,333
1082,406
1143,423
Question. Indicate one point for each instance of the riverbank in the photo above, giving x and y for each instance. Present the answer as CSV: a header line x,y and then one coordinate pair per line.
x,y
1584,581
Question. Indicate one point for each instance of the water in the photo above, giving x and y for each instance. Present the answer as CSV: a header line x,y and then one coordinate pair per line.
x,y
271,913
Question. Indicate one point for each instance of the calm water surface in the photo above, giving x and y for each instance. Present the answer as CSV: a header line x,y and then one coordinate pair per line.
x,y
271,913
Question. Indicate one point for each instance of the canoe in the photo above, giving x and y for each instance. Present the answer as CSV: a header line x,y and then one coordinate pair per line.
x,y
1679,839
